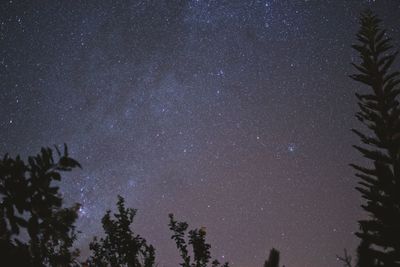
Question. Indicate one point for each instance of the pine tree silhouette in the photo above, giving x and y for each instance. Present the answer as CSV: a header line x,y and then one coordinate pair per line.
x,y
273,259
30,202
364,257
121,246
197,238
379,111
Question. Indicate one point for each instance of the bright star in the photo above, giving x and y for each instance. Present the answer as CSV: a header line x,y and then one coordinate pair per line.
x,y
291,147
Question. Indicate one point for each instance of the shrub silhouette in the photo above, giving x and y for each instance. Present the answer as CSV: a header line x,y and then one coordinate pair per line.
x,y
121,246
197,239
32,205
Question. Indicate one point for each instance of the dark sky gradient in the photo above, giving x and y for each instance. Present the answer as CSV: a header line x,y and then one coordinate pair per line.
x,y
234,115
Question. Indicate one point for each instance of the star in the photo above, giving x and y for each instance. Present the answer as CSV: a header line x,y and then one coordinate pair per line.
x,y
291,147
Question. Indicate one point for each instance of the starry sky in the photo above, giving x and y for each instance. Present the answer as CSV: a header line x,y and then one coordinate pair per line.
x,y
233,115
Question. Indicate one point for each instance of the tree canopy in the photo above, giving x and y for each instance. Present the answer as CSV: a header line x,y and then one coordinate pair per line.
x,y
32,205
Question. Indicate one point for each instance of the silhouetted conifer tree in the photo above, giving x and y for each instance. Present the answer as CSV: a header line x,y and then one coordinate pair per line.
x,y
31,206
273,259
197,238
379,111
121,246
364,257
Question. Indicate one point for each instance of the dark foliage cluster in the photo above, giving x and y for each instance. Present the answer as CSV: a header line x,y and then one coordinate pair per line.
x,y
35,228
196,238
121,246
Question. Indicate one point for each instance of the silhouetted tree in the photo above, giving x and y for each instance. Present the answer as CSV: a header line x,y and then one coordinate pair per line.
x,y
379,111
31,207
121,246
197,238
364,257
346,259
273,259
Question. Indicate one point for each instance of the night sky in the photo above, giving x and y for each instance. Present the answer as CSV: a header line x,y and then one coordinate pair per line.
x,y
233,115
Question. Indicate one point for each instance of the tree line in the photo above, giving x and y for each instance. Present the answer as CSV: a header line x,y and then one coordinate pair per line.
x,y
36,229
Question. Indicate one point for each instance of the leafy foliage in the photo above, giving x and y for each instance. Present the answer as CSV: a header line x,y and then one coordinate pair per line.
x,y
197,239
31,206
121,246
379,111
